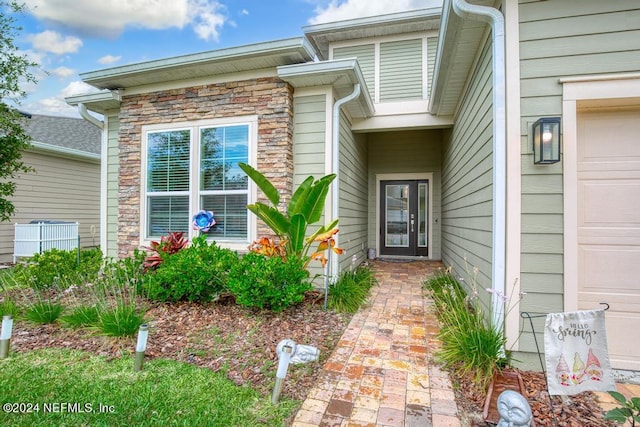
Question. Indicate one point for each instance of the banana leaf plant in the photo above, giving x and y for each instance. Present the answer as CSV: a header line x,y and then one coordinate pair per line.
x,y
304,209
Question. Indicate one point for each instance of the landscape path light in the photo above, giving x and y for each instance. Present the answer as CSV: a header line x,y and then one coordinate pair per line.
x,y
289,352
141,346
5,335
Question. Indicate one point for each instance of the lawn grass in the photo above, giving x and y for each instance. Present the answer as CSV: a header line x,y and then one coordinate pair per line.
x,y
164,393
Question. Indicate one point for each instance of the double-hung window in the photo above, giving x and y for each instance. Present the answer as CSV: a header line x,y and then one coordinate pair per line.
x,y
195,167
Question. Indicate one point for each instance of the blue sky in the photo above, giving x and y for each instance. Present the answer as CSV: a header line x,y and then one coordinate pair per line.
x,y
68,37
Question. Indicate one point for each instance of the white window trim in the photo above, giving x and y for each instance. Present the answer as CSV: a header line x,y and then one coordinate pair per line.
x,y
194,175
597,91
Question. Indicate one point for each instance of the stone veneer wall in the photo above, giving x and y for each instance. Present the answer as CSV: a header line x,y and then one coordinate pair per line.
x,y
270,99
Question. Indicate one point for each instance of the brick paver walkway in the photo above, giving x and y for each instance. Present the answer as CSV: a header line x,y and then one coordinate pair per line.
x,y
381,372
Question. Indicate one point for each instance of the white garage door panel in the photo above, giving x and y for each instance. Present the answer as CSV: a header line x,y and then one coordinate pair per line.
x,y
611,130
609,227
621,350
619,195
618,267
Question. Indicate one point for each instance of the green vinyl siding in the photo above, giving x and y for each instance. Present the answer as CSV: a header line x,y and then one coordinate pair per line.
x,y
467,190
432,49
415,151
309,137
353,195
560,39
113,168
401,70
366,60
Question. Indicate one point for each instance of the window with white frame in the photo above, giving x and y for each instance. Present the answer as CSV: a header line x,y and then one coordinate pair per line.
x,y
192,168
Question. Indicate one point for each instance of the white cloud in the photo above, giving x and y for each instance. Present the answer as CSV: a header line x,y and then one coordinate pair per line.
x,y
111,17
53,42
339,10
76,88
109,59
244,12
63,72
207,18
53,106
56,105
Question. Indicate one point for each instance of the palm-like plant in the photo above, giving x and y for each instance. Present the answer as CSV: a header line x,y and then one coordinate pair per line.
x,y
304,209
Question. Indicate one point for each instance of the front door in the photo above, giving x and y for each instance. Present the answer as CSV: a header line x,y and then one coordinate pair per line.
x,y
404,218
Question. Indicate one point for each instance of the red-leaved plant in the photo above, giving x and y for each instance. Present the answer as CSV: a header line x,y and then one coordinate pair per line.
x,y
168,245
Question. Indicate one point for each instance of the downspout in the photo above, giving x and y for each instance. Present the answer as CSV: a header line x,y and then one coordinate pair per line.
x,y
82,109
335,166
494,17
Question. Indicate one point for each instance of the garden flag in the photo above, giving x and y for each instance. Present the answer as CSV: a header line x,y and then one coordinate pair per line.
x,y
575,348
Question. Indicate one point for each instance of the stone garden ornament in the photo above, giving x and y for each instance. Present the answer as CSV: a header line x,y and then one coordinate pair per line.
x,y
514,410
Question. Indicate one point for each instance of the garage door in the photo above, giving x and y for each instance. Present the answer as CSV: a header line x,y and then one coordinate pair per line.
x,y
609,226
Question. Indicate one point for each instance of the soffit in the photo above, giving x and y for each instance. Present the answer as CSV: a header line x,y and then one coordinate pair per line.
x,y
218,62
100,102
458,43
322,35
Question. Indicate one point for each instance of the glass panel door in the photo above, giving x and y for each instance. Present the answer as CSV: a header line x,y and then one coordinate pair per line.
x,y
404,208
423,214
397,216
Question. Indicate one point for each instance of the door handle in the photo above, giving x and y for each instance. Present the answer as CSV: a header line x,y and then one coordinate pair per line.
x,y
412,222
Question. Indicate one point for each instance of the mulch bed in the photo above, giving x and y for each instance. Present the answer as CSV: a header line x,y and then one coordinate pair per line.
x,y
581,410
220,336
242,343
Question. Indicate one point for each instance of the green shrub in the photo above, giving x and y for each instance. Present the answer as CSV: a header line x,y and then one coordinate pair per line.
x,y
628,411
122,320
55,266
43,312
128,270
9,307
82,317
470,343
351,290
444,290
196,273
269,283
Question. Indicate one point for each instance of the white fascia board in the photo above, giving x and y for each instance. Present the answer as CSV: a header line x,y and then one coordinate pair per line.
x,y
299,44
72,153
97,101
339,72
449,25
391,18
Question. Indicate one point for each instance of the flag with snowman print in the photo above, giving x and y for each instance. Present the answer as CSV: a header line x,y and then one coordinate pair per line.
x,y
575,347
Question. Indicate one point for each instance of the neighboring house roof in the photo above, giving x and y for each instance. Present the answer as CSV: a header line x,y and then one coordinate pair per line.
x,y
64,135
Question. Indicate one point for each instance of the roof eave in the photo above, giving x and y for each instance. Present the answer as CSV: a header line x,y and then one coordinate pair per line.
x,y
100,102
393,23
65,152
282,51
458,42
342,74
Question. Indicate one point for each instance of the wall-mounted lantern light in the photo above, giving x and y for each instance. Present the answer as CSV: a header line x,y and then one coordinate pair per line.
x,y
546,141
